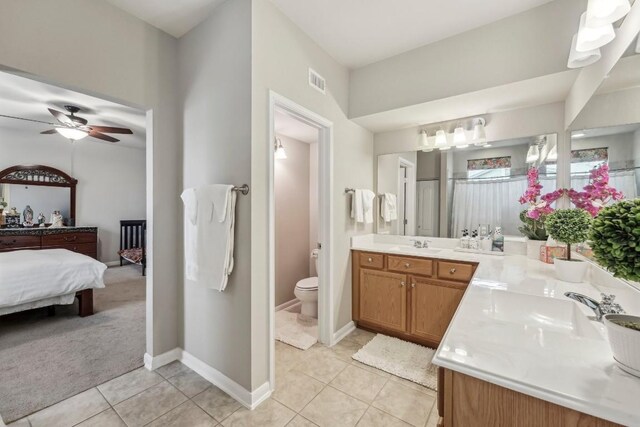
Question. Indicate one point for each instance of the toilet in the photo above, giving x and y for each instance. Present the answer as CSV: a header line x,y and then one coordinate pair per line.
x,y
307,292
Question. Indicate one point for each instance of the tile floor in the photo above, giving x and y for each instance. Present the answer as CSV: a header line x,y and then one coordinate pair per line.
x,y
318,387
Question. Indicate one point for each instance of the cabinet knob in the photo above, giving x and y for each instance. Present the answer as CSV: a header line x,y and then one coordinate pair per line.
x,y
407,265
452,271
70,239
413,285
402,283
370,259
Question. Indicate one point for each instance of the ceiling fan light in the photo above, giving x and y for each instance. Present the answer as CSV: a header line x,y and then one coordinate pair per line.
x,y
602,12
590,38
533,154
72,133
459,136
581,59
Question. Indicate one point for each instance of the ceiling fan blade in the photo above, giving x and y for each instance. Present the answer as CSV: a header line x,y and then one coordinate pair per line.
x,y
48,132
26,120
110,129
61,117
102,136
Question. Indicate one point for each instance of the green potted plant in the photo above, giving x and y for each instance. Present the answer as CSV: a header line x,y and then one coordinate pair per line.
x,y
615,241
535,232
569,226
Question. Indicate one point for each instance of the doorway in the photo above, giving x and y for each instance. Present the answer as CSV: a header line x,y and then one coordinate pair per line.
x,y
278,106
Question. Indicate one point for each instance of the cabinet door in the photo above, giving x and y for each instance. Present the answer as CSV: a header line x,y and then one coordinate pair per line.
x,y
383,299
433,305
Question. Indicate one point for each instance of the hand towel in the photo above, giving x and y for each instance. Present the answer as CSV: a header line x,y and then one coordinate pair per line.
x,y
190,200
389,207
357,210
367,204
216,210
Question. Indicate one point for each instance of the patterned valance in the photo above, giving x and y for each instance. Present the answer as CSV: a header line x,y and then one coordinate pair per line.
x,y
492,163
590,155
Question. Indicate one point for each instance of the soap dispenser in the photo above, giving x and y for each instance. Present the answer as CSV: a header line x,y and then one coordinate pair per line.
x,y
473,242
464,240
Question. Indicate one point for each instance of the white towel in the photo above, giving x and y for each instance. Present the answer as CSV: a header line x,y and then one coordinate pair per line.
x,y
389,207
214,235
357,210
367,203
190,233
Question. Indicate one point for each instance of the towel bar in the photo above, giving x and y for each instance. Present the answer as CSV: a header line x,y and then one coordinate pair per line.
x,y
349,190
243,189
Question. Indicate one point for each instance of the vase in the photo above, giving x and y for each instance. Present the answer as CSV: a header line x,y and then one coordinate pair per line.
x,y
570,271
624,342
533,248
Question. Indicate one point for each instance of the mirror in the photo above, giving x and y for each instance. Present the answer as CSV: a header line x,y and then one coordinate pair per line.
x,y
441,193
41,199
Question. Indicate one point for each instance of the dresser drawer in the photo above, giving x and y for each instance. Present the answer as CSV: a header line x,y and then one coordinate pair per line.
x,y
371,260
9,243
455,271
411,265
68,238
88,249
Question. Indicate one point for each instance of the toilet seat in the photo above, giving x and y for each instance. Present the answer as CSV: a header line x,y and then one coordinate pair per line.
x,y
308,284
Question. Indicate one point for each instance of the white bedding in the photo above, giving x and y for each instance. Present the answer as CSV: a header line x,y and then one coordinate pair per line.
x,y
28,275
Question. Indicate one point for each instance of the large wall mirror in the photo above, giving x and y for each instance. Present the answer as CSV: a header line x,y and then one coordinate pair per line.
x,y
441,193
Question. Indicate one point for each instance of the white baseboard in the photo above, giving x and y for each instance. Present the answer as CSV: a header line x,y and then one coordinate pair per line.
x,y
248,399
343,332
154,362
288,304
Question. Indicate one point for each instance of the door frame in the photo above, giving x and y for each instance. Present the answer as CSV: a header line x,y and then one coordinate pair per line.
x,y
325,220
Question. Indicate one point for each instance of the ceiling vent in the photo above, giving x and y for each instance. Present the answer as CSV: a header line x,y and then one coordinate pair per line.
x,y
316,81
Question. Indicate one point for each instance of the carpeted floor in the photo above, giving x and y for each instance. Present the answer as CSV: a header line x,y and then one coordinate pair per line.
x,y
44,360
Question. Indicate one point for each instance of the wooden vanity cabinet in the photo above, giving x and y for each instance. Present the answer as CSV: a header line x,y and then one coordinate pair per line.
x,y
407,297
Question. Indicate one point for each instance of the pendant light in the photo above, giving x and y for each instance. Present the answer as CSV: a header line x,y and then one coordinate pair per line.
x,y
279,154
581,59
72,133
602,12
441,140
533,154
590,38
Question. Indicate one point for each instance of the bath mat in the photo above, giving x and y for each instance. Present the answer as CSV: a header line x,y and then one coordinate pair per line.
x,y
296,330
400,358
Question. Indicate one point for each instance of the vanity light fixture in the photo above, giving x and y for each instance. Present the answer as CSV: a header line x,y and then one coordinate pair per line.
x,y
553,154
441,140
602,12
423,142
533,154
582,59
459,136
280,154
590,38
479,133
73,134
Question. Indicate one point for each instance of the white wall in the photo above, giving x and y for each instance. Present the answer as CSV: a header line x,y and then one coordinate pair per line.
x,y
314,199
137,66
528,45
215,88
281,57
292,193
111,180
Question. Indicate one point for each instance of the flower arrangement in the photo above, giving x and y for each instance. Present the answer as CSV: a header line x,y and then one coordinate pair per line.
x,y
597,194
615,239
569,226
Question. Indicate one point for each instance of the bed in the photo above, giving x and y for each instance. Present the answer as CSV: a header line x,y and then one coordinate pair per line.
x,y
45,277
133,243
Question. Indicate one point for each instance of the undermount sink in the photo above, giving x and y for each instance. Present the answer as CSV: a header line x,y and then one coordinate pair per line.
x,y
407,248
547,314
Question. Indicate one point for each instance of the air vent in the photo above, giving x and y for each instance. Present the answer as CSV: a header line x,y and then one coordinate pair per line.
x,y
316,81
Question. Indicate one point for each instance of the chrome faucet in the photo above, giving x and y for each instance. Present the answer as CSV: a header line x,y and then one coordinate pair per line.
x,y
606,306
420,244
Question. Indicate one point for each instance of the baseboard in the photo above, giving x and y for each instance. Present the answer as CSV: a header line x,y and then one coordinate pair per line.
x,y
154,362
288,304
343,332
248,399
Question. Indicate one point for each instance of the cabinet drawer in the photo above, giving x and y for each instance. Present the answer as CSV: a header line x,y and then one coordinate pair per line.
x,y
411,265
8,243
454,271
68,238
371,260
88,249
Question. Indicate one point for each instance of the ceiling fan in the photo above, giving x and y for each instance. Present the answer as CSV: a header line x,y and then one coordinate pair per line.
x,y
75,127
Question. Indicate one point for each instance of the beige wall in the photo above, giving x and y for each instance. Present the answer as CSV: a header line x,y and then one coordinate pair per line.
x,y
281,57
137,66
215,86
292,192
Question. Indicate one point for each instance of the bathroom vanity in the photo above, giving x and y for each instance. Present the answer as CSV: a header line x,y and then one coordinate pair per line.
x,y
409,297
511,348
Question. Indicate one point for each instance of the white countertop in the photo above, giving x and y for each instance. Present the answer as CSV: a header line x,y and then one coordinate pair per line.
x,y
515,328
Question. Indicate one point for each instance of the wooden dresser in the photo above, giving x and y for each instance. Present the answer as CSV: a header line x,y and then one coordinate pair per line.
x,y
412,298
83,240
